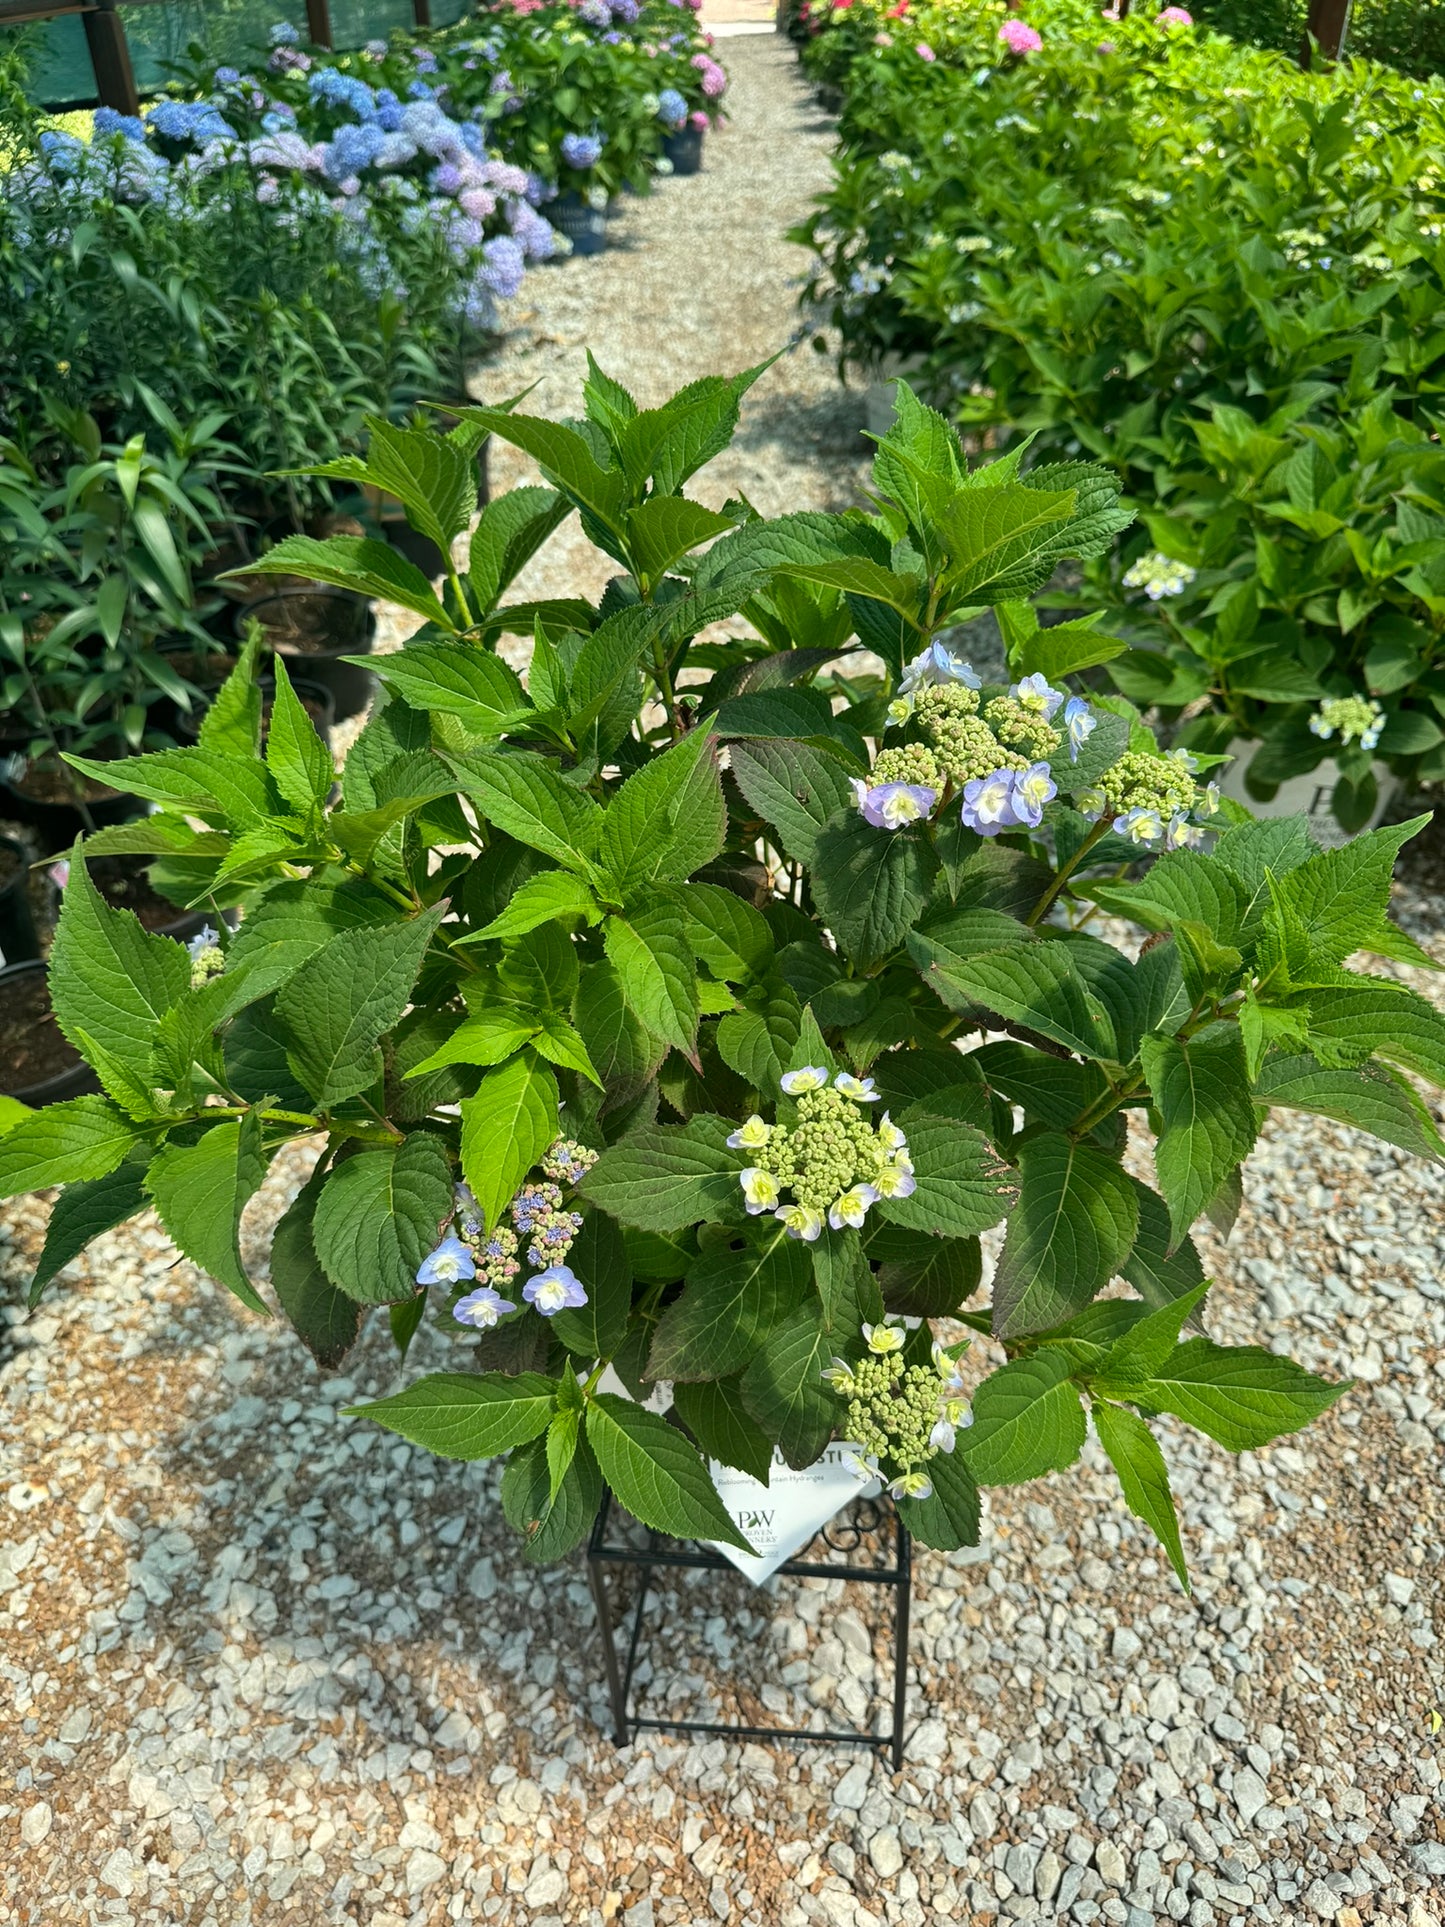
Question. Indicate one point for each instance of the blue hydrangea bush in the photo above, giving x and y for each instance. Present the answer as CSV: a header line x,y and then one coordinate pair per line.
x,y
688,1008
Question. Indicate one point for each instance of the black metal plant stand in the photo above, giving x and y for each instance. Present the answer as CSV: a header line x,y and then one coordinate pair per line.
x,y
845,1534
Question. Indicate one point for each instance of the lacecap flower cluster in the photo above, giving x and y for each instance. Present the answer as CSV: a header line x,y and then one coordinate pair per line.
x,y
542,1229
899,1416
833,1159
996,756
1354,719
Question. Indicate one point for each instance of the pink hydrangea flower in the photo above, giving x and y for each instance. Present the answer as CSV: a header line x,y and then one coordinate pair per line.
x,y
1174,17
924,51
1020,38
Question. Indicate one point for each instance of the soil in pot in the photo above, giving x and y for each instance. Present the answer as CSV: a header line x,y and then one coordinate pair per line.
x,y
19,940
38,1064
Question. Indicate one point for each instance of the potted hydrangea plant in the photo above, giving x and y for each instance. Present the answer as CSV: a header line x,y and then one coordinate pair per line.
x,y
674,1013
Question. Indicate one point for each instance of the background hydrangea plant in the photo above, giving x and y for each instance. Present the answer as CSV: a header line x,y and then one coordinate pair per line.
x,y
641,1033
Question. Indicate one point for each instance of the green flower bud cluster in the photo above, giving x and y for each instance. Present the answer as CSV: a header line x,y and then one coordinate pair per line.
x,y
831,1148
892,1413
1351,718
1139,781
963,744
912,763
1022,729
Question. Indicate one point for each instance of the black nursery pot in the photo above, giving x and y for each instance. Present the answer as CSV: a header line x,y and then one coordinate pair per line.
x,y
36,796
584,226
18,939
312,630
38,1063
684,150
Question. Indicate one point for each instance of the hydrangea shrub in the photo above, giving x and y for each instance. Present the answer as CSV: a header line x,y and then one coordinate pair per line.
x,y
639,1031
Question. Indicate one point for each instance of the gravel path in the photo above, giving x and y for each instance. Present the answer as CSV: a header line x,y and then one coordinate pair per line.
x,y
262,1664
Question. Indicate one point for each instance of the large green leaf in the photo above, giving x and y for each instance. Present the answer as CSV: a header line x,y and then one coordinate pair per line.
x,y
656,1473
82,1212
665,822
922,1276
599,1259
1200,1088
1339,897
623,1051
1004,542
433,476
1368,1096
712,1410
662,530
200,1191
728,934
506,1127
1372,1017
110,979
1028,1419
78,1141
794,787
963,1185
201,782
508,533
1180,885
566,458
550,1524
1159,1270
783,1388
378,1215
1240,1395
870,885
1071,1229
294,920
730,1300
651,955
1134,1454
671,1177
355,562
299,762
1033,984
523,794
343,999
758,1040
456,679
461,1416
949,1517
327,1321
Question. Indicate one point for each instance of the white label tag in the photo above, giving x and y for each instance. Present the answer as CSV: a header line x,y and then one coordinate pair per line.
x,y
779,1518
1308,794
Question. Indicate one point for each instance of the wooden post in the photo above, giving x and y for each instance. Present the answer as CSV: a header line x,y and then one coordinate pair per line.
x,y
110,58
1122,9
318,23
421,12
1328,24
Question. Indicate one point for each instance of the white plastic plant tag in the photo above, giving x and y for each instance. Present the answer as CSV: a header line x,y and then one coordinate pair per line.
x,y
779,1518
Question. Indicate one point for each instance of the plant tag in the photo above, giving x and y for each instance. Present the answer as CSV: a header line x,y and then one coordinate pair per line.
x,y
779,1518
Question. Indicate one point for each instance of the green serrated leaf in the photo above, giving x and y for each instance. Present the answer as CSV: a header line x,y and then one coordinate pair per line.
x,y
378,1215
656,1473
461,1416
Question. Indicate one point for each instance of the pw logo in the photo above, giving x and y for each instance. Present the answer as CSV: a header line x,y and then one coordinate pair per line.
x,y
755,1521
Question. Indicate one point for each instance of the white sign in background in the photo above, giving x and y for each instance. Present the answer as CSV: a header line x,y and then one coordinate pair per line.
x,y
779,1518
